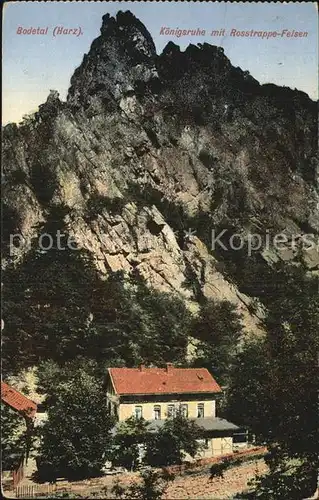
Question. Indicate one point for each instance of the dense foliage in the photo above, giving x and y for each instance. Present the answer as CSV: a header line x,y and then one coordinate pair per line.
x,y
130,439
218,327
14,438
170,444
274,386
75,439
58,308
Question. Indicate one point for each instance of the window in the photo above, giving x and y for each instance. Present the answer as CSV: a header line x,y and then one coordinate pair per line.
x,y
138,412
200,410
170,411
157,412
184,410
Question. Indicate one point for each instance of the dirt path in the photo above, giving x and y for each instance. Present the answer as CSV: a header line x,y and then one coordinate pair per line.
x,y
195,486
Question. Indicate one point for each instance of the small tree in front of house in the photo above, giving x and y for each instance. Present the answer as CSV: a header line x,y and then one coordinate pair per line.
x,y
178,436
130,436
76,438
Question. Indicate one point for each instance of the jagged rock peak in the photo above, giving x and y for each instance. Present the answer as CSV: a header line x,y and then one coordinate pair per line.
x,y
129,28
121,57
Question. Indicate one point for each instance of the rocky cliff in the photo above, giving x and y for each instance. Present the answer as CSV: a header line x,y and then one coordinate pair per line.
x,y
150,153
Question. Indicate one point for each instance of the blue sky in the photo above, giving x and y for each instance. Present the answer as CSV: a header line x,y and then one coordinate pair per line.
x,y
34,64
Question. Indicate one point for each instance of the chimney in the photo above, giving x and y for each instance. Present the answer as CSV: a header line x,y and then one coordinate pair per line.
x,y
142,368
169,367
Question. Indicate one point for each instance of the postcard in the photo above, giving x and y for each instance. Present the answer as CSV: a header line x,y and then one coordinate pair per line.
x,y
160,258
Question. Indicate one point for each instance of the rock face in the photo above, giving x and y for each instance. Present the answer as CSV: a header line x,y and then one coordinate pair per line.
x,y
150,153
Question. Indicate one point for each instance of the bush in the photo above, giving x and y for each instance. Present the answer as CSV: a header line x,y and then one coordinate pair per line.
x,y
130,435
152,486
168,446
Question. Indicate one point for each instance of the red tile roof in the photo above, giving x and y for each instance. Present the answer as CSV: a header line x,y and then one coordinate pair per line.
x,y
168,380
17,401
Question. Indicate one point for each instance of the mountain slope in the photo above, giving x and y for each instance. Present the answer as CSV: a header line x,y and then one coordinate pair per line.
x,y
151,153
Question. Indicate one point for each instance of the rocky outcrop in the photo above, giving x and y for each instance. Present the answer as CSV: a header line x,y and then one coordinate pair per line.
x,y
150,153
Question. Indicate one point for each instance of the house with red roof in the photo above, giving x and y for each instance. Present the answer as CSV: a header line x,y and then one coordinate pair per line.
x,y
156,394
18,401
